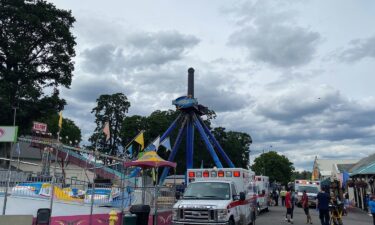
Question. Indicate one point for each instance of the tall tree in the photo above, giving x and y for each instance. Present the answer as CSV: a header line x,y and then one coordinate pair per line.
x,y
277,167
111,109
36,51
236,144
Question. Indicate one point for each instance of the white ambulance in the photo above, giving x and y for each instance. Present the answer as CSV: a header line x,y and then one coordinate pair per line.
x,y
263,193
312,189
217,196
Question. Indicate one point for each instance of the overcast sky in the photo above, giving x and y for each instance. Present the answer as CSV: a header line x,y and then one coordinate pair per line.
x,y
296,76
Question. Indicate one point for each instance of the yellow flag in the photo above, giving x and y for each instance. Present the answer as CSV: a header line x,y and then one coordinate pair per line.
x,y
139,139
60,120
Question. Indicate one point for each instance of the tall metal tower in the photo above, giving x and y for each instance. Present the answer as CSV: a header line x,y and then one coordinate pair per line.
x,y
190,118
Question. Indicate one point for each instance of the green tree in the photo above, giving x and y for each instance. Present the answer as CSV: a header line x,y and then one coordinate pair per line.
x,y
69,129
111,109
277,167
235,144
304,175
36,50
153,125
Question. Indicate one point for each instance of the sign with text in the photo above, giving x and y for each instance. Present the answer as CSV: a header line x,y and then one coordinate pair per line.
x,y
42,127
8,133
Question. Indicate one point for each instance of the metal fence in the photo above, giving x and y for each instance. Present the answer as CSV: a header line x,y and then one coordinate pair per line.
x,y
120,195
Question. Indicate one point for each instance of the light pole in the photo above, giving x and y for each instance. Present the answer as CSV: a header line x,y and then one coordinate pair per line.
x,y
10,164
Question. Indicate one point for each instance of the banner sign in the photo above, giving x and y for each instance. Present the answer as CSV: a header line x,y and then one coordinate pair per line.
x,y
42,127
8,133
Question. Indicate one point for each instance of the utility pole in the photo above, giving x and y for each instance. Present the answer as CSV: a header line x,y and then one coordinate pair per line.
x,y
10,165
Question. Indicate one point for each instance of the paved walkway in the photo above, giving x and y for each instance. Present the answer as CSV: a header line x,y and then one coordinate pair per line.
x,y
276,215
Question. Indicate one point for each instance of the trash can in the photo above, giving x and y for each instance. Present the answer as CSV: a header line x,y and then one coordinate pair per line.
x,y
129,219
142,212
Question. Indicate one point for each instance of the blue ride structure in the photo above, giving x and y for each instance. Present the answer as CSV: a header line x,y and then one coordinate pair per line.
x,y
190,120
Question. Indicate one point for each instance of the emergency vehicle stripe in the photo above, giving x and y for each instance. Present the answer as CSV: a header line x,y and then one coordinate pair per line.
x,y
239,202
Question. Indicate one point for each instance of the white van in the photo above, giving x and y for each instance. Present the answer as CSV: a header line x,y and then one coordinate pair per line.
x,y
217,196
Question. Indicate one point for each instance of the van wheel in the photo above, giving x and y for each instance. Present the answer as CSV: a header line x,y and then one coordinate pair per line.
x,y
267,210
231,222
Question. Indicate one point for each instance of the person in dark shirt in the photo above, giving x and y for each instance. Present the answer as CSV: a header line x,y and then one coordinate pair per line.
x,y
275,197
323,199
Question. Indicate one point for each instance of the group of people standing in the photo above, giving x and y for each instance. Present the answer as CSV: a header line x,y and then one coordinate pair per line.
x,y
323,201
289,199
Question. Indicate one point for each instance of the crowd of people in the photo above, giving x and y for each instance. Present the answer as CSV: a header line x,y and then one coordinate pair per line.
x,y
330,207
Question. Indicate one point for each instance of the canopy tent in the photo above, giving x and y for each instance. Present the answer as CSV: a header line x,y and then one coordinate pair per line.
x,y
150,159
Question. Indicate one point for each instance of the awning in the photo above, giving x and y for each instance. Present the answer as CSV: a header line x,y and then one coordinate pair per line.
x,y
150,159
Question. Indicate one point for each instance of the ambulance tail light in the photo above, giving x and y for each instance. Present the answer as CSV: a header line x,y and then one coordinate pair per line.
x,y
297,182
236,173
191,174
317,183
206,173
310,182
220,173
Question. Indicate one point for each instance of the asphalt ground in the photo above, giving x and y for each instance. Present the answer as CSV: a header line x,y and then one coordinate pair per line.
x,y
276,215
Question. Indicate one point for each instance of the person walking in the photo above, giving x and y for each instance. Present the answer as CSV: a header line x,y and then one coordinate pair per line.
x,y
282,194
371,205
305,206
276,197
323,199
288,205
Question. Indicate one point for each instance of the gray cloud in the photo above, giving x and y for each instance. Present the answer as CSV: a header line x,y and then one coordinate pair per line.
x,y
103,59
295,104
271,36
277,45
88,88
137,51
221,100
359,49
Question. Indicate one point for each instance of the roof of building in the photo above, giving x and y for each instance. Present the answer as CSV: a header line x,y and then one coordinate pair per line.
x,y
364,166
326,164
363,162
344,167
369,169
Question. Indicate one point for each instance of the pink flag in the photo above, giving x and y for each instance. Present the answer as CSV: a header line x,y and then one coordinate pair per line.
x,y
106,131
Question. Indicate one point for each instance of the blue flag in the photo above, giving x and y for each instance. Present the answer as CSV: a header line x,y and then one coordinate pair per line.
x,y
130,150
167,144
345,178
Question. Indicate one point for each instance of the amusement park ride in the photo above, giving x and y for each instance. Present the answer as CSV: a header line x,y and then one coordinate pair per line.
x,y
190,118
